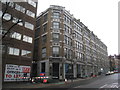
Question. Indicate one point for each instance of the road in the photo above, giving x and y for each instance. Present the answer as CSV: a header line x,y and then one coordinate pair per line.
x,y
100,82
110,81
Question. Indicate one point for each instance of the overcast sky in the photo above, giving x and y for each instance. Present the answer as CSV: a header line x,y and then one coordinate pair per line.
x,y
100,16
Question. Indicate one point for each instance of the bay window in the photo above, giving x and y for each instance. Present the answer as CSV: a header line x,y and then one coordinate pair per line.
x,y
56,25
56,15
7,16
55,37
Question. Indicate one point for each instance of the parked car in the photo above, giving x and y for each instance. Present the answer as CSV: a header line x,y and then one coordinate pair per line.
x,y
109,73
112,72
116,71
41,79
25,78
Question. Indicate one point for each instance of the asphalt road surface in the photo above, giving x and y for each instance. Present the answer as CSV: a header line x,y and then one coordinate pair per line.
x,y
110,81
100,82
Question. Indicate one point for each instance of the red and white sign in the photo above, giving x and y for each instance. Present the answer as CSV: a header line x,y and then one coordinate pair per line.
x,y
15,72
26,69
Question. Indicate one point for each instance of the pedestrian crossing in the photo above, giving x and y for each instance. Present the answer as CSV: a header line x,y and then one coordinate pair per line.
x,y
112,85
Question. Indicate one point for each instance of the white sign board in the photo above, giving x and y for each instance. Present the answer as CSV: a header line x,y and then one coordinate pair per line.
x,y
16,72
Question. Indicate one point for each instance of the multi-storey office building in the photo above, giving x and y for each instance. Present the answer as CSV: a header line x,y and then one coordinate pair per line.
x,y
65,47
17,45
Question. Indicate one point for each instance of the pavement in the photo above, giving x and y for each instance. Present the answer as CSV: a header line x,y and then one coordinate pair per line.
x,y
38,85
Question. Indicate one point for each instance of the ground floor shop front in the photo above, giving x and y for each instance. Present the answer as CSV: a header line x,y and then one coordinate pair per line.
x,y
59,69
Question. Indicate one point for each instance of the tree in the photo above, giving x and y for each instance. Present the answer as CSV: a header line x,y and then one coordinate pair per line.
x,y
5,10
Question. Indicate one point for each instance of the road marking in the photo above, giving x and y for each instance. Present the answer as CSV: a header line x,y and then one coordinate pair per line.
x,y
112,85
77,87
103,86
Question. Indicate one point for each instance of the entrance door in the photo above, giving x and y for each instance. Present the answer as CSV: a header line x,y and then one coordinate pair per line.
x,y
56,70
78,71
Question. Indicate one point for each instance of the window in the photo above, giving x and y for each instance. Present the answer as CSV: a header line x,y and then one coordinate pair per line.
x,y
45,17
16,35
11,4
2,32
45,28
56,15
56,25
4,1
44,39
92,37
55,37
80,37
68,29
20,23
26,53
15,20
55,51
19,8
81,46
67,19
65,52
29,13
2,48
43,52
29,25
70,42
7,16
43,67
82,56
68,53
13,51
87,41
27,39
66,39
37,22
32,3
